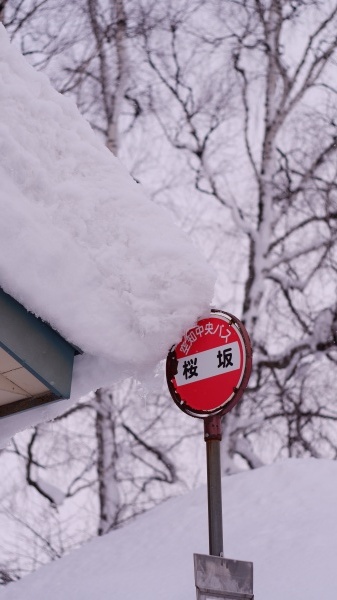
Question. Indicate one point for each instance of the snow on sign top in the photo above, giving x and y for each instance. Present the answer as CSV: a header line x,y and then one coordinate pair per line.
x,y
208,370
81,245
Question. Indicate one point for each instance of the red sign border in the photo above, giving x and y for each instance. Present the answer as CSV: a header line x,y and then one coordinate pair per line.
x,y
171,370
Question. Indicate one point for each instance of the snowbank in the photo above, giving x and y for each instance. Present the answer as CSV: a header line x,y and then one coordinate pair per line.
x,y
81,245
283,518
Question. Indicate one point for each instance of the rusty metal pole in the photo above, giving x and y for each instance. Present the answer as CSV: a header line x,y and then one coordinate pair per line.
x,y
212,430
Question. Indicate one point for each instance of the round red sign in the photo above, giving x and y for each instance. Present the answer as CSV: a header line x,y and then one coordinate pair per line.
x,y
208,370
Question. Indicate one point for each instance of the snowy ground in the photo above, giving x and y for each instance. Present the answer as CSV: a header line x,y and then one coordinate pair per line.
x,y
282,517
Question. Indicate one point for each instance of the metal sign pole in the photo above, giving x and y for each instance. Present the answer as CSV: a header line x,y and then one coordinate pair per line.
x,y
207,373
212,429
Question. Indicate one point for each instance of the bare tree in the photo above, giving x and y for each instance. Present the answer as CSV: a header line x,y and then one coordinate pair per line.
x,y
247,123
62,465
282,204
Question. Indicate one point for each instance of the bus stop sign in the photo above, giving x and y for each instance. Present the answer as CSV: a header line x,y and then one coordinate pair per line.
x,y
208,370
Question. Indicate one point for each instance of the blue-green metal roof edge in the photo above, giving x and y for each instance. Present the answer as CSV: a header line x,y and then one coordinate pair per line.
x,y
36,346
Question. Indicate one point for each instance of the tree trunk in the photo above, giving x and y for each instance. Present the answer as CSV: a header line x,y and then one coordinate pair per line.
x,y
109,500
2,10
121,78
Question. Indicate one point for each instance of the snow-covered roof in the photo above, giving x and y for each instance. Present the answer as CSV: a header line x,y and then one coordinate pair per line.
x,y
81,245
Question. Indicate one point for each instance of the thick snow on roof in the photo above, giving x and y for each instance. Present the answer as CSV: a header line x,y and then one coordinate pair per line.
x,y
282,518
81,245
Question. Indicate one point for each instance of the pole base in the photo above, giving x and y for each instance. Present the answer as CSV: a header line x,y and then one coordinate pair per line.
x,y
218,578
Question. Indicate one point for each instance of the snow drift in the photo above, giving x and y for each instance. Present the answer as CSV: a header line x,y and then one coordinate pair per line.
x,y
280,517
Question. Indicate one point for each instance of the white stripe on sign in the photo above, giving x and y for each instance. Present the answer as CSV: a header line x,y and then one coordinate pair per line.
x,y
209,363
